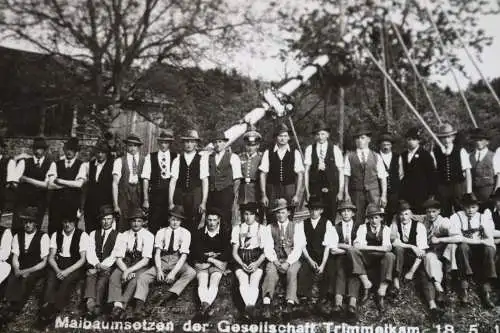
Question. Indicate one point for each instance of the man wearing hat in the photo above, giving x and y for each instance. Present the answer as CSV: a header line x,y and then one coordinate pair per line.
x,y
250,160
30,249
36,173
365,175
484,169
283,245
127,190
392,164
101,258
189,181
211,253
134,249
224,177
324,169
71,173
453,167
172,245
372,251
99,186
418,172
320,238
156,181
68,248
346,283
476,253
282,170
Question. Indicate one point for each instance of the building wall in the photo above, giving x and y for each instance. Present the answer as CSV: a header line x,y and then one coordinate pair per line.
x,y
132,122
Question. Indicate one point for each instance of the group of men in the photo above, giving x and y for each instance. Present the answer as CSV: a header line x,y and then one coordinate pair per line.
x,y
193,195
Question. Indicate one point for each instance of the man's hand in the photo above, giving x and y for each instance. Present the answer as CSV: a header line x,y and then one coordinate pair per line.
x,y
320,270
295,200
25,274
435,240
171,206
314,265
252,267
383,201
285,266
160,276
130,276
202,208
125,276
308,195
418,252
17,272
91,271
340,196
117,210
22,179
170,278
145,205
61,275
265,201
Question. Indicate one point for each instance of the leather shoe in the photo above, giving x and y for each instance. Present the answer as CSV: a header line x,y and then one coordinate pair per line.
x,y
381,303
488,304
352,313
464,297
366,295
337,310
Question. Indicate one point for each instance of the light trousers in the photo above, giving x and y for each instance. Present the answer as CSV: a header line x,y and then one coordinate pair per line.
x,y
249,285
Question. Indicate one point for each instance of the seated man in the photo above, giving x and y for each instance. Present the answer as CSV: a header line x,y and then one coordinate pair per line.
x,y
68,248
346,283
170,267
320,238
29,258
101,258
5,248
134,249
372,249
409,244
211,252
283,245
476,253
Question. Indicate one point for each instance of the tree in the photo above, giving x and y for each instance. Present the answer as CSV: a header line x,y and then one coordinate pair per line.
x,y
114,39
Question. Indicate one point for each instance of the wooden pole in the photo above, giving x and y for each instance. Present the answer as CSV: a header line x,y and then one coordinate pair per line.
x,y
341,92
386,83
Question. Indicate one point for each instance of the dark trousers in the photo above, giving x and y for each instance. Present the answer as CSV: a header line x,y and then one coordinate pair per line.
x,y
405,259
58,292
361,199
381,262
392,207
307,277
449,195
129,199
19,288
476,258
191,201
158,207
223,200
346,283
96,285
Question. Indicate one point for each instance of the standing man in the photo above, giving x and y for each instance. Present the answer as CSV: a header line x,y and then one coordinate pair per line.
x,y
224,179
365,175
115,149
7,173
418,174
484,170
36,174
156,181
99,187
282,170
127,189
453,167
324,170
189,182
250,161
71,173
392,164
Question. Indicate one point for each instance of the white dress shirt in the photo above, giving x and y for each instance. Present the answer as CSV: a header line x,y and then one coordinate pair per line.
x,y
297,167
485,220
44,244
83,245
182,239
165,173
337,153
406,228
189,158
126,240
92,258
248,236
363,156
299,242
361,235
6,245
12,173
442,227
117,168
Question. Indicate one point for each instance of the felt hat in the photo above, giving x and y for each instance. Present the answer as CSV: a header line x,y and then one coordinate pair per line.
x,y
101,147
250,206
72,144
191,135
413,133
178,211
214,211
166,135
345,204
133,139
39,143
137,213
431,203
469,199
316,202
252,136
29,214
320,125
480,134
386,137
106,210
220,135
446,130
362,130
373,209
279,204
403,205
281,129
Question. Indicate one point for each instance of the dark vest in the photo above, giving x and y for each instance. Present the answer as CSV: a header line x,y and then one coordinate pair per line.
x,y
250,166
74,248
393,172
189,175
363,176
31,256
412,238
31,194
126,171
281,172
156,181
31,171
315,238
482,171
283,247
104,252
449,167
496,219
330,175
374,239
100,192
69,194
340,233
220,176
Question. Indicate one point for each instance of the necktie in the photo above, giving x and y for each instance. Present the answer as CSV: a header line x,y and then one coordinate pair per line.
x,y
363,157
134,248
103,234
134,166
347,234
37,163
170,248
322,152
68,164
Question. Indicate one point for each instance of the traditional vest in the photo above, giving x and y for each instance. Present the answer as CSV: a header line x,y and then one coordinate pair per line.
x,y
482,171
102,188
412,238
281,172
31,256
374,239
449,167
189,175
283,247
330,174
340,233
101,251
74,248
363,176
315,238
393,171
220,176
250,166
156,180
126,171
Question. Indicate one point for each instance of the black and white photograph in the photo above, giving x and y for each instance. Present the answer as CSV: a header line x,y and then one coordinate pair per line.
x,y
263,166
